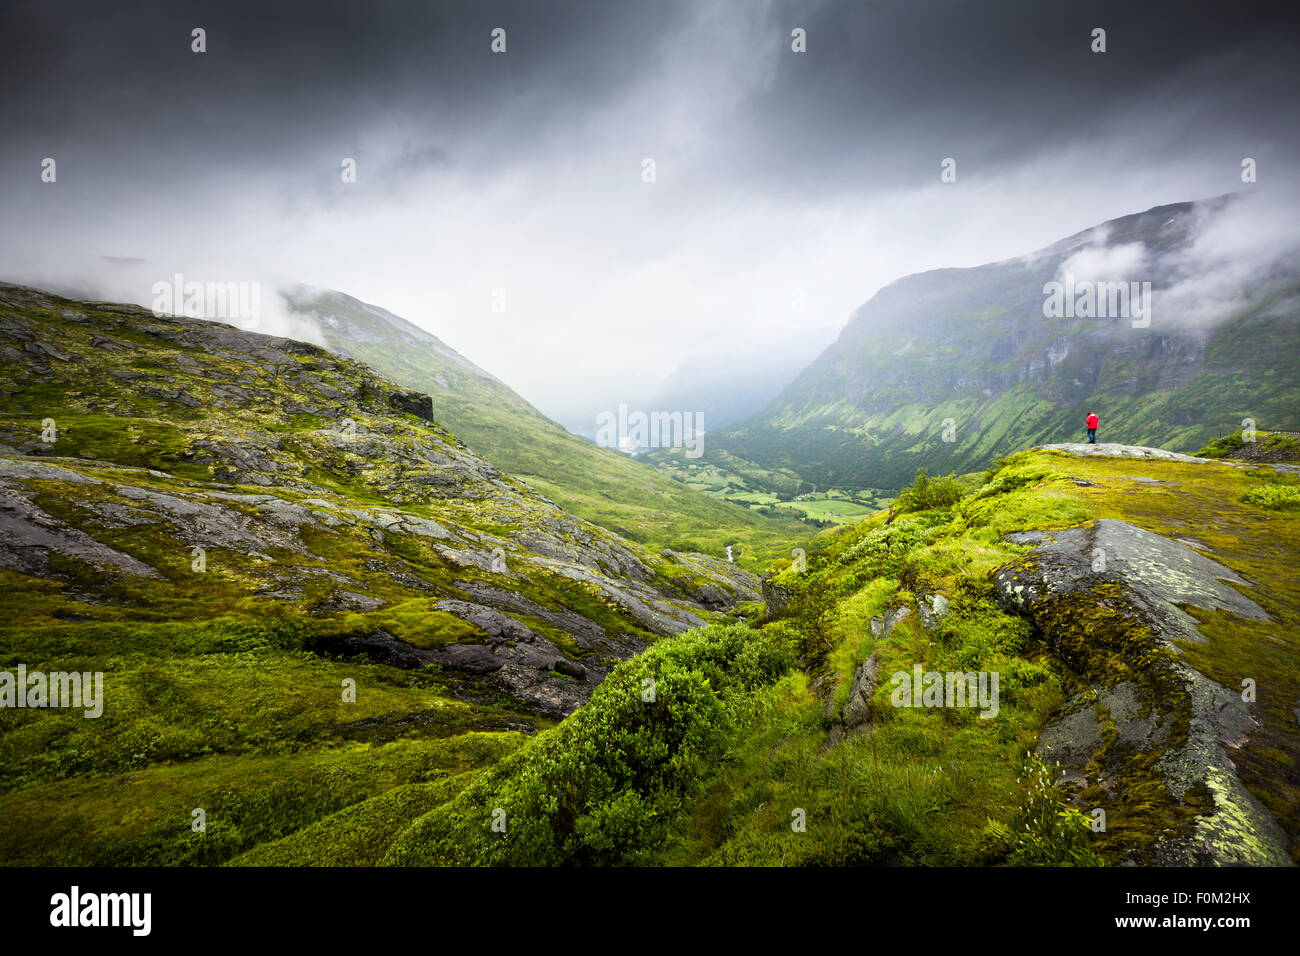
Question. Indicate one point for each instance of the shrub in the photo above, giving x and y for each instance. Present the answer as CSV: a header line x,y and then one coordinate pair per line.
x,y
926,493
882,548
1274,497
608,784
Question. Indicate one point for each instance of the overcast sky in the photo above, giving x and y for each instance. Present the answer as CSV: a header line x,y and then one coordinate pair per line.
x,y
775,171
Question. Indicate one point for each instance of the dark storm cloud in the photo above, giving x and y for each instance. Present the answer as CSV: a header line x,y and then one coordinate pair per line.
x,y
886,90
280,79
777,172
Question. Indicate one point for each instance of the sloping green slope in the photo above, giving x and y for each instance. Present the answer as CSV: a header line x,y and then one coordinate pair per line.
x,y
300,590
601,485
946,370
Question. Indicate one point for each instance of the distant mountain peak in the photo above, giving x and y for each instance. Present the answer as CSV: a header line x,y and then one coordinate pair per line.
x,y
345,314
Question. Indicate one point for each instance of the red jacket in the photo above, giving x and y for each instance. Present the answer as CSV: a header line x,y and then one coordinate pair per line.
x,y
1091,421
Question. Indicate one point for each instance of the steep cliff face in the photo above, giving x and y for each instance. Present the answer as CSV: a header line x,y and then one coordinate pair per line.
x,y
948,369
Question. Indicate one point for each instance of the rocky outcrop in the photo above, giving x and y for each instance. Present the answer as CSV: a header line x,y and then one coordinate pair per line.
x,y
933,608
29,536
857,709
882,625
775,596
1111,450
855,716
414,403
1148,737
511,659
1159,575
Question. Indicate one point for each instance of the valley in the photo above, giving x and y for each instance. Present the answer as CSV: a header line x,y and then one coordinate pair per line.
x,y
770,493
324,622
608,488
364,605
545,450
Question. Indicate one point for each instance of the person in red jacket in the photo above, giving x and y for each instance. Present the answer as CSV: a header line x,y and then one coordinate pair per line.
x,y
1092,421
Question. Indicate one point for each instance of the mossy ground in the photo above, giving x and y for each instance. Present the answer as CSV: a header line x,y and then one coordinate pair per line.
x,y
1203,504
944,786
250,800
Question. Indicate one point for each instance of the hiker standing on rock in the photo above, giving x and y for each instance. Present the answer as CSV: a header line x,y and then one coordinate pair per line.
x,y
1091,422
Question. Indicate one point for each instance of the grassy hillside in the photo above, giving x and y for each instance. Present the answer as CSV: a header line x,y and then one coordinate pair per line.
x,y
300,590
761,748
608,488
950,369
335,636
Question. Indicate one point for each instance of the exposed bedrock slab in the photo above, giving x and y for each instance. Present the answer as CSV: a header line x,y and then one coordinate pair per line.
x,y
1085,449
524,665
1151,738
1161,574
28,536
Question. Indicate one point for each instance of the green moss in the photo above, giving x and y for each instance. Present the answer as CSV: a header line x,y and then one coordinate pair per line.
x,y
248,800
414,621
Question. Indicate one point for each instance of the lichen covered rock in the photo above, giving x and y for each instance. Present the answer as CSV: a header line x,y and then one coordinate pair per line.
x,y
1148,739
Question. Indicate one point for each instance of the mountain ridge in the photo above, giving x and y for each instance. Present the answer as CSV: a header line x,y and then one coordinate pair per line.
x,y
948,368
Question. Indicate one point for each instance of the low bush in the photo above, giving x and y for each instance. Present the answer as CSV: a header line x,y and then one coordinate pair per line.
x,y
609,784
1274,497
